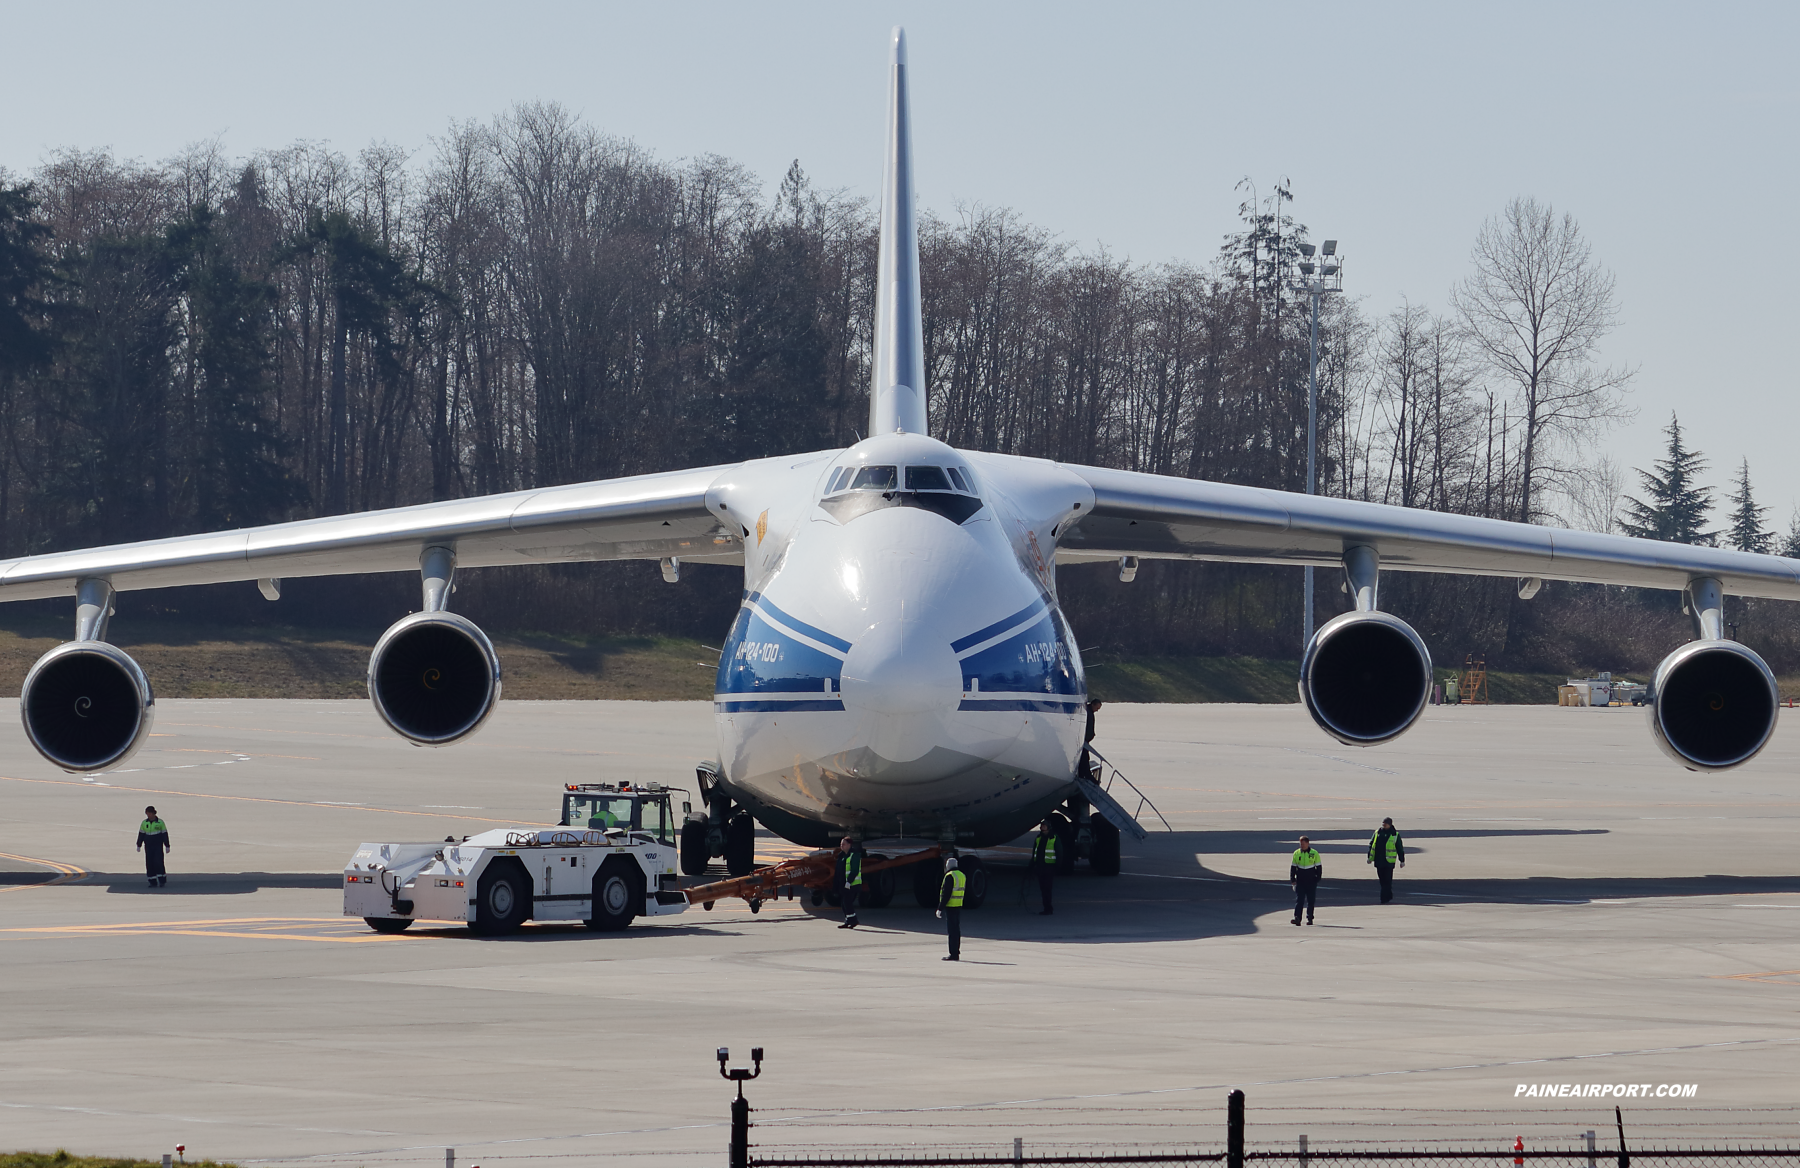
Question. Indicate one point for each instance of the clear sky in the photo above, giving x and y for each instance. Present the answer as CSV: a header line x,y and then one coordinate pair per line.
x,y
1667,130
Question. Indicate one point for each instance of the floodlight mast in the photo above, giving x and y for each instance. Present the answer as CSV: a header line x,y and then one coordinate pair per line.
x,y
1317,279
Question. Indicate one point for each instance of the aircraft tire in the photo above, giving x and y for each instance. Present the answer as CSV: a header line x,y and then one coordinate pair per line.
x,y
927,878
502,899
1066,847
740,845
1105,858
616,896
878,887
694,853
388,924
976,890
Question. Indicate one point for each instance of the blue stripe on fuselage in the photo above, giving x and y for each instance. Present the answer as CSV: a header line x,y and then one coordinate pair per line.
x,y
801,627
999,627
768,664
1035,660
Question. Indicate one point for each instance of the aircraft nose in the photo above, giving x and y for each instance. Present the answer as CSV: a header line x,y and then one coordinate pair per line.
x,y
902,667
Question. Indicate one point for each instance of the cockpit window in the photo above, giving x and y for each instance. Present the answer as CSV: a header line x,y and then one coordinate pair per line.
x,y
875,478
839,477
962,484
926,478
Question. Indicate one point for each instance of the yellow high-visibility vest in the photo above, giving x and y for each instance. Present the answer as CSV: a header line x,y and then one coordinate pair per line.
x,y
957,883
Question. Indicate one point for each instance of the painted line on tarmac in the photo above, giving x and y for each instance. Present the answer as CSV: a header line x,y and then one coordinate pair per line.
x,y
278,802
65,873
213,928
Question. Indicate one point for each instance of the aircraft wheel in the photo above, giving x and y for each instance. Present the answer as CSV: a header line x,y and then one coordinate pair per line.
x,y
502,899
976,889
694,852
927,878
616,897
1105,858
1066,846
818,897
740,844
878,887
388,924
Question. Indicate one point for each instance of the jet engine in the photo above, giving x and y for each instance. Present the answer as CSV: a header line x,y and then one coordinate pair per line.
x,y
434,677
1365,677
1714,705
86,705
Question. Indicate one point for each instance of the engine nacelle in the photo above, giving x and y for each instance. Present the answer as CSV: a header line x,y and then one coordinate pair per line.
x,y
86,705
1714,705
434,677
1365,677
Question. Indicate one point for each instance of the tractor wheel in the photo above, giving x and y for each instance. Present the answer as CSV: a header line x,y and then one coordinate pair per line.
x,y
616,896
388,924
502,899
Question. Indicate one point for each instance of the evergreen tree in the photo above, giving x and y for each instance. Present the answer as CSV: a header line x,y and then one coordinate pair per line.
x,y
1678,505
1790,543
1747,534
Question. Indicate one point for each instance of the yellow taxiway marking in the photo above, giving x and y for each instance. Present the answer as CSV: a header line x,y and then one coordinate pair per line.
x,y
245,928
1788,977
65,873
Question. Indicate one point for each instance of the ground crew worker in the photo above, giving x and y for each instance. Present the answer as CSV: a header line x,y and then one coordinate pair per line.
x,y
1043,858
1386,850
1087,762
848,878
950,905
1305,870
155,832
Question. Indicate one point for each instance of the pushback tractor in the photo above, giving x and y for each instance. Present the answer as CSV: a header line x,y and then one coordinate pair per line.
x,y
611,860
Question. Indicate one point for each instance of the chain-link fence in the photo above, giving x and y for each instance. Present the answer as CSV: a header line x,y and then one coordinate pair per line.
x,y
1295,1157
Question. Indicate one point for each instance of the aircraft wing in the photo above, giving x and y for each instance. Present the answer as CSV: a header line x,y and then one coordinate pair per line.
x,y
1161,517
643,517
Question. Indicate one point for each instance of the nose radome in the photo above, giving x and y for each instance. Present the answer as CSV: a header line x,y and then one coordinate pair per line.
x,y
902,667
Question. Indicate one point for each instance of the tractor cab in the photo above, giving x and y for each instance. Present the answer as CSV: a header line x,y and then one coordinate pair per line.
x,y
644,807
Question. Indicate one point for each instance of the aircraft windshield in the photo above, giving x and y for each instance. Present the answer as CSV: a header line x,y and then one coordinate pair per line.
x,y
926,478
875,478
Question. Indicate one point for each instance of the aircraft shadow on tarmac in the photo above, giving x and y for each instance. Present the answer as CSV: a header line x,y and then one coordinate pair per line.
x,y
1165,893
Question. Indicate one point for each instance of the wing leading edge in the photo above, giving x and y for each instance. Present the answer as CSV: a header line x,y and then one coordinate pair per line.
x,y
1161,517
643,517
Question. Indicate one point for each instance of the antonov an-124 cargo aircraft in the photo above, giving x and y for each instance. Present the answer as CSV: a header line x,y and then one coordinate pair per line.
x,y
899,667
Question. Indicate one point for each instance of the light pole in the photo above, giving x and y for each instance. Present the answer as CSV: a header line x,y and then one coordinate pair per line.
x,y
1318,276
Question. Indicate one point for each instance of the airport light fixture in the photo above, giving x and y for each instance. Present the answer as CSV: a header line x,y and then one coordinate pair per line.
x,y
1318,272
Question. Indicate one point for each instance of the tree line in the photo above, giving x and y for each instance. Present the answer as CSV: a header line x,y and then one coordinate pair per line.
x,y
209,342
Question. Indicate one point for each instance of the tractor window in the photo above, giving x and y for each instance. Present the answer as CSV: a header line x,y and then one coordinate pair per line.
x,y
657,820
875,478
599,812
926,478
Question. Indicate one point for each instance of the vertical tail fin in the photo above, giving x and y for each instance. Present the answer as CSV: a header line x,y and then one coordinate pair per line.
x,y
897,389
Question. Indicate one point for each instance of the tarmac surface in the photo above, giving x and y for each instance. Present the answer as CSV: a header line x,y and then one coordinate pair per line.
x,y
1576,909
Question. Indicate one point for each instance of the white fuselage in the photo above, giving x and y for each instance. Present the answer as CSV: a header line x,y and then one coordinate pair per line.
x,y
899,665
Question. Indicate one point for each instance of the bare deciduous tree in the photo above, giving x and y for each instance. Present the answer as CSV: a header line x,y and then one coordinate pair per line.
x,y
1536,307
